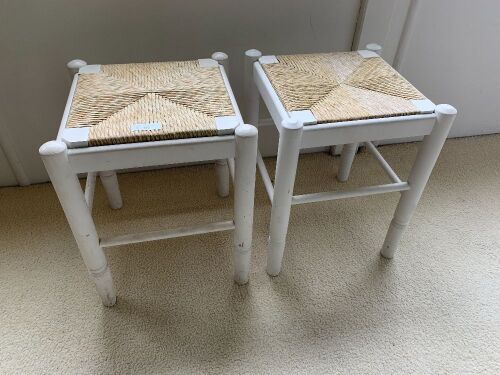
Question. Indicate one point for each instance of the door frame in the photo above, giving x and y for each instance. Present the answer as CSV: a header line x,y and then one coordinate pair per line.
x,y
385,22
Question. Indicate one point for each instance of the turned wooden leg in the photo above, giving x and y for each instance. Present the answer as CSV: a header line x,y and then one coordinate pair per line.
x,y
70,194
244,191
251,92
286,168
221,166
426,158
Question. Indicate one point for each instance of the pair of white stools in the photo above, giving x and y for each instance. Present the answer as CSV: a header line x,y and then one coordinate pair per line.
x,y
139,115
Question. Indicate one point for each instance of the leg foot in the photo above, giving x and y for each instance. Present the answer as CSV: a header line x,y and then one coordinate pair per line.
x,y
242,260
392,239
104,285
275,257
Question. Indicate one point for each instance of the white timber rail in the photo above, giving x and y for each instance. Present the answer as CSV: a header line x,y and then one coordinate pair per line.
x,y
358,192
383,163
396,185
166,233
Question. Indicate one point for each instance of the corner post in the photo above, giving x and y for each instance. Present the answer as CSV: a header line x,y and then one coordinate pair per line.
x,y
223,59
374,47
286,169
251,92
377,48
244,191
427,156
221,166
70,194
74,66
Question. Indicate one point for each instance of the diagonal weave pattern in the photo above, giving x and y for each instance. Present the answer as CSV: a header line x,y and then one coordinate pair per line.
x,y
182,97
341,86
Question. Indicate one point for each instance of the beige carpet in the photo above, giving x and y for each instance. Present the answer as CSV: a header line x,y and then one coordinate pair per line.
x,y
336,308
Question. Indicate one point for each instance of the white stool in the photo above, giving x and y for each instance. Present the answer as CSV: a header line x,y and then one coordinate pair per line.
x,y
140,115
341,99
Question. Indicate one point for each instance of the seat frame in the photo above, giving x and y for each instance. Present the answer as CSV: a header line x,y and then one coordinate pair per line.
x,y
234,156
294,136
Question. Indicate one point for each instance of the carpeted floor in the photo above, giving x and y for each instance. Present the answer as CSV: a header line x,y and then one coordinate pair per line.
x,y
336,308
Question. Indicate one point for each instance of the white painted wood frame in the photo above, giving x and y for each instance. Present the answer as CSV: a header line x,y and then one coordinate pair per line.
x,y
297,131
63,164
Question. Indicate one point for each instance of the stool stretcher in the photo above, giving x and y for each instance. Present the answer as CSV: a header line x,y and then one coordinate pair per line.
x,y
166,233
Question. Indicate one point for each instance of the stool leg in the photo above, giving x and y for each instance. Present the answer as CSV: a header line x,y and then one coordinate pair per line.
x,y
419,175
251,92
346,159
221,167
244,190
70,194
110,183
286,168
222,175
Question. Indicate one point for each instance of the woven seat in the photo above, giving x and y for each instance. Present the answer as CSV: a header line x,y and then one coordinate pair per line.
x,y
126,103
342,86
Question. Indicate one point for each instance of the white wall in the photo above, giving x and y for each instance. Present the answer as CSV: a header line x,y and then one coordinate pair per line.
x,y
37,38
453,57
7,177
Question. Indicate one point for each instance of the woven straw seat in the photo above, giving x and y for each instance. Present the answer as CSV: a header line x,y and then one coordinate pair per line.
x,y
126,103
342,86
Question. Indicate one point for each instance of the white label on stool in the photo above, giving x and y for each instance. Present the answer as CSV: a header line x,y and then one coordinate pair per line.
x,y
145,127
